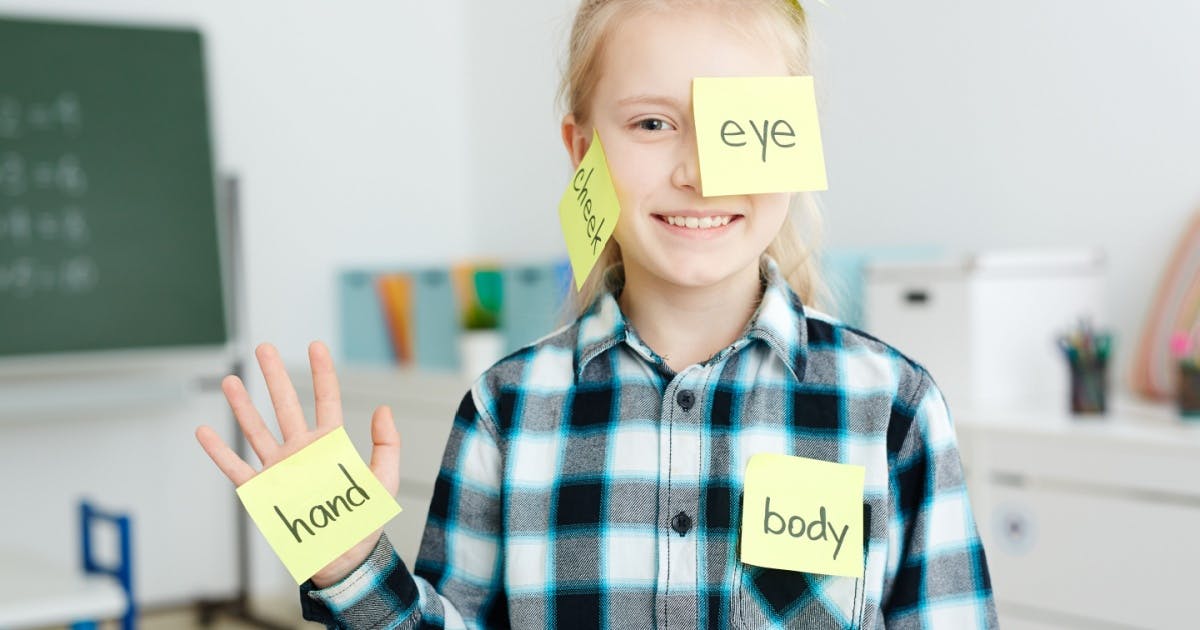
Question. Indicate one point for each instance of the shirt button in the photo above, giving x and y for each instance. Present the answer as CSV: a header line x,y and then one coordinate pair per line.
x,y
686,399
681,523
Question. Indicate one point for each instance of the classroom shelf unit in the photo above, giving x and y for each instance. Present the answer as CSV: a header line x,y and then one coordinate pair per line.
x,y
1088,521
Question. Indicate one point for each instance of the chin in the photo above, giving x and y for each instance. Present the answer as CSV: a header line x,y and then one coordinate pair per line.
x,y
697,272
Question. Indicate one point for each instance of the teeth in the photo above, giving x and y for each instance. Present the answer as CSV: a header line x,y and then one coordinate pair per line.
x,y
702,223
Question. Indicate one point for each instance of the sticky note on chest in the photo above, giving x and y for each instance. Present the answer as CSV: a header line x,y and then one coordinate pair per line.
x,y
803,514
317,504
588,211
758,135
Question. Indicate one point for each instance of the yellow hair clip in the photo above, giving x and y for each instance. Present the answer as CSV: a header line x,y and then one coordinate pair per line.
x,y
796,3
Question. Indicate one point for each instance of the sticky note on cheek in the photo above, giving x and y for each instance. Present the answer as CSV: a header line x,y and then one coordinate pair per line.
x,y
758,135
318,503
589,211
802,514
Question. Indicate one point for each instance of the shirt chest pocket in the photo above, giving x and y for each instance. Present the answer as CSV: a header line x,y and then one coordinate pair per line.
x,y
777,598
774,598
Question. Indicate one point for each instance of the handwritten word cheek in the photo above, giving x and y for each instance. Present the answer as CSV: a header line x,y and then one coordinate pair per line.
x,y
580,185
588,210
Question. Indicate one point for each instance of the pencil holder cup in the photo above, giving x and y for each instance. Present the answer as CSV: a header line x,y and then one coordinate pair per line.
x,y
1089,385
1189,390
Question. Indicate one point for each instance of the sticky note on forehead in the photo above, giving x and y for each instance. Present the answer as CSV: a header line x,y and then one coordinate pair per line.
x,y
802,514
588,211
758,135
318,503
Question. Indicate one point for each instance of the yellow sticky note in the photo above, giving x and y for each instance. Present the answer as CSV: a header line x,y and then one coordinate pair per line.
x,y
803,514
758,135
318,503
589,211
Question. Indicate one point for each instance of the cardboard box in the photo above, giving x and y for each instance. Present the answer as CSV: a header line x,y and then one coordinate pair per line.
x,y
985,325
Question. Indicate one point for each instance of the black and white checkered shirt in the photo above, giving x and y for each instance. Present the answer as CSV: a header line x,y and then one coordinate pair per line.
x,y
585,484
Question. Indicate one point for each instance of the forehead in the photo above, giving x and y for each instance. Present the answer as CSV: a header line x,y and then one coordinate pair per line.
x,y
660,52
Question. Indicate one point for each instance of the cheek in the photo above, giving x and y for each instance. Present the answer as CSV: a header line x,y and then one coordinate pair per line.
x,y
634,172
771,208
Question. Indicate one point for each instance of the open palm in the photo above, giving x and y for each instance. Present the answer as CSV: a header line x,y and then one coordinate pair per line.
x,y
385,452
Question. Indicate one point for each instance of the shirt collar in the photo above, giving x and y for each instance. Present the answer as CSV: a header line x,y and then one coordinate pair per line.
x,y
778,322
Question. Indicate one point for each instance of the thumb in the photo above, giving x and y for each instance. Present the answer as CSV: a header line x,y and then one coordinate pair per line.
x,y
385,449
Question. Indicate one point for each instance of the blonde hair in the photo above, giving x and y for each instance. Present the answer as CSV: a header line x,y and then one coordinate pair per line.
x,y
797,258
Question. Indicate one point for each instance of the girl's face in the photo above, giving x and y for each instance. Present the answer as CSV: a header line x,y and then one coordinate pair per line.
x,y
642,109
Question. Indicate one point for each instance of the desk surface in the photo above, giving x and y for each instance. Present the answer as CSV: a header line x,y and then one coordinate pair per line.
x,y
1128,419
34,593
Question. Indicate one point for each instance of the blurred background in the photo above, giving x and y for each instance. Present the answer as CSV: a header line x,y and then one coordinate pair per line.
x,y
1019,166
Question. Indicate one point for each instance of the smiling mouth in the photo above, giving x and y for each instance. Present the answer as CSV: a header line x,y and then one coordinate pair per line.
x,y
698,222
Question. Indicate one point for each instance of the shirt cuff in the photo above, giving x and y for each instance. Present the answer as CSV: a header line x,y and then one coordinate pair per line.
x,y
359,592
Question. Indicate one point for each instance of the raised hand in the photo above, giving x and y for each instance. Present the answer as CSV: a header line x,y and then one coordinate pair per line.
x,y
385,452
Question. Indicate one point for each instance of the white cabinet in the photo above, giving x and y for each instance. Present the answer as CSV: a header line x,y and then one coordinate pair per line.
x,y
1087,522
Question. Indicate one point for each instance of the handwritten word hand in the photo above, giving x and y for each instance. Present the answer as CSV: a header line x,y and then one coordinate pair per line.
x,y
385,452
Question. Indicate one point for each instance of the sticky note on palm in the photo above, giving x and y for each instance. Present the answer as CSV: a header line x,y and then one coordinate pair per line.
x,y
589,211
802,514
758,135
318,503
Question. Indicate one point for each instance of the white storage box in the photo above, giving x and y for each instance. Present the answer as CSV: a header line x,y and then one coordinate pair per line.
x,y
986,325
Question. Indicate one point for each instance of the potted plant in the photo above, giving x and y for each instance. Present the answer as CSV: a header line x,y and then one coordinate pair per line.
x,y
481,342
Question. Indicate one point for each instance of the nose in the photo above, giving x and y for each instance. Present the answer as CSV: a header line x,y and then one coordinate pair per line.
x,y
686,174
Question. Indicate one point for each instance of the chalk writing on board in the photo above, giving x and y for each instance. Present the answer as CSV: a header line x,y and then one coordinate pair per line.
x,y
10,117
44,226
25,276
12,174
64,175
67,225
62,113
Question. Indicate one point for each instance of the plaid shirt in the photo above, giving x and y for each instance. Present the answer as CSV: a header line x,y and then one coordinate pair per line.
x,y
586,484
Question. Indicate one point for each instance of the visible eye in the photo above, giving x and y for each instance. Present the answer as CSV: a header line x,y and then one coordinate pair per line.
x,y
655,124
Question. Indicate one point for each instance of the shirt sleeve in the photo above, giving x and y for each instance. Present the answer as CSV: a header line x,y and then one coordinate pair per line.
x,y
457,578
937,573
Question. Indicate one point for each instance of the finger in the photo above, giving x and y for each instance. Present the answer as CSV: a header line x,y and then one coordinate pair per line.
x,y
385,449
326,393
288,411
238,471
253,427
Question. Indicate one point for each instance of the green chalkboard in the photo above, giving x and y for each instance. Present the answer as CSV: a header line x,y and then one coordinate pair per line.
x,y
108,229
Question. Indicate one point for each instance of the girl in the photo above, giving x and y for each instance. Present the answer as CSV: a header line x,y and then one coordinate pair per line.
x,y
594,478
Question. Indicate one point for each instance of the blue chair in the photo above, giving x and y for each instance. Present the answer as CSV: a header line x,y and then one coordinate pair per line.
x,y
122,572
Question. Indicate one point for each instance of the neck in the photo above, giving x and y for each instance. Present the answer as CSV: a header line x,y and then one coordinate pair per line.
x,y
687,325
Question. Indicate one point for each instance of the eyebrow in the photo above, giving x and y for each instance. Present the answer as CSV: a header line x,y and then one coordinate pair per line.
x,y
650,99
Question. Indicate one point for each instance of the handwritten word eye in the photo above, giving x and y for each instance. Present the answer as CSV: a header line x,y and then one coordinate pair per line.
x,y
655,124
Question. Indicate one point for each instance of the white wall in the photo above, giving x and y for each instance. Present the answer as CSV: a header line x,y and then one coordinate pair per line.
x,y
975,125
382,131
519,167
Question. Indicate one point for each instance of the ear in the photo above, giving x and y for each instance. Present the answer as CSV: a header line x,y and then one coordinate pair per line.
x,y
576,139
